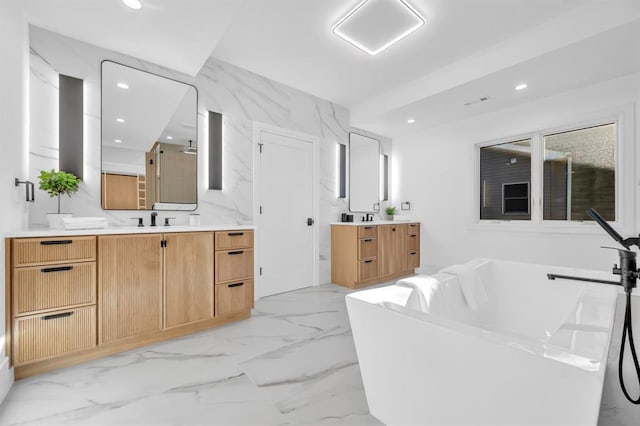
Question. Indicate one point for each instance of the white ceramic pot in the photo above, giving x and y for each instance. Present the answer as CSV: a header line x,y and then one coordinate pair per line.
x,y
55,219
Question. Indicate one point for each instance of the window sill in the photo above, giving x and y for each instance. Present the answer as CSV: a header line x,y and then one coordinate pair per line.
x,y
588,228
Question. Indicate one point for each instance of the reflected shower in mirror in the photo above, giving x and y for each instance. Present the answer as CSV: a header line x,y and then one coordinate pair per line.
x,y
149,141
364,174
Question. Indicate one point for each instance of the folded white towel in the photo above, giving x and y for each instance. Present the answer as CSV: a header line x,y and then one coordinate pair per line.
x,y
470,283
424,294
84,222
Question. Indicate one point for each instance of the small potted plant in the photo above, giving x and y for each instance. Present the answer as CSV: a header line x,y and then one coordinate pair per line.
x,y
57,183
391,211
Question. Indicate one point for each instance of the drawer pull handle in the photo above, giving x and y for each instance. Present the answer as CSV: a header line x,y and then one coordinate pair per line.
x,y
235,234
56,316
57,269
413,252
235,285
368,261
368,240
368,227
231,253
413,235
55,242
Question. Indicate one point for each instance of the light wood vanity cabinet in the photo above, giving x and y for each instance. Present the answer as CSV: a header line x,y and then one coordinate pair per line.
x,y
130,277
73,299
234,272
365,254
188,278
53,297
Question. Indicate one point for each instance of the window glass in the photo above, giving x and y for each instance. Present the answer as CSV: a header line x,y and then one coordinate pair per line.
x,y
579,173
505,181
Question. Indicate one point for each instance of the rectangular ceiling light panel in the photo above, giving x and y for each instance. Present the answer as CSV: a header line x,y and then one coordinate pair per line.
x,y
374,25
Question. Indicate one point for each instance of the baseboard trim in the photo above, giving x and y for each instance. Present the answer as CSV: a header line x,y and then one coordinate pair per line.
x,y
6,378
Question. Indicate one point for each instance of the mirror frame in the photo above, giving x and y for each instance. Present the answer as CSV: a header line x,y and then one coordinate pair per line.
x,y
351,180
102,125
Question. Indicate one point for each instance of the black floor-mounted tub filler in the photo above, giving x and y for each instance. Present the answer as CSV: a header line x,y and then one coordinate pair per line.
x,y
629,275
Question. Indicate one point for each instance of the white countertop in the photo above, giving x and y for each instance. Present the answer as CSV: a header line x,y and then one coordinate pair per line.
x,y
46,232
375,222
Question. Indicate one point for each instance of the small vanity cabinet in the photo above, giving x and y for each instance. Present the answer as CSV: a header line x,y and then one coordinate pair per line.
x,y
76,298
364,254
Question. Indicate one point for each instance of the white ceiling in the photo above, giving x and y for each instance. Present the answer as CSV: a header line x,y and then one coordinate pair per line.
x,y
178,34
466,49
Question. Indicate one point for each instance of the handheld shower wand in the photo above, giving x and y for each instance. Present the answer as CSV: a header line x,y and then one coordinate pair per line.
x,y
629,274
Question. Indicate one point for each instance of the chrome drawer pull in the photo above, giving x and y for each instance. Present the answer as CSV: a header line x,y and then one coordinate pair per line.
x,y
55,242
235,285
235,234
231,253
56,316
57,269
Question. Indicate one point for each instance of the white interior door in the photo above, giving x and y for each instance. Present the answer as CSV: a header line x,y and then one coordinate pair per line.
x,y
286,213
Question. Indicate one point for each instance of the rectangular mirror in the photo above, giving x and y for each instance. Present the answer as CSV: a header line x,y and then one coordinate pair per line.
x,y
364,174
149,141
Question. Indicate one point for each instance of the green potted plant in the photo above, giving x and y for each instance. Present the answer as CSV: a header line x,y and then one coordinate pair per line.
x,y
57,183
391,211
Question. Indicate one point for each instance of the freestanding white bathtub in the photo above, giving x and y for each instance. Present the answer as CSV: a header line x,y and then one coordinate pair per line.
x,y
534,354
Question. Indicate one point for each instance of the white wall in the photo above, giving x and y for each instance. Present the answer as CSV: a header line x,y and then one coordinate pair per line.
x,y
14,51
435,172
242,97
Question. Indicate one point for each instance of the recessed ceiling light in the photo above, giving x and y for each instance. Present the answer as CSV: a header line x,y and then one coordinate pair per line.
x,y
123,85
117,141
521,86
374,25
411,120
133,4
120,120
169,137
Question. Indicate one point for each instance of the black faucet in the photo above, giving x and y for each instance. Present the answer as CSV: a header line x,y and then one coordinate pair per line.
x,y
369,217
153,218
629,274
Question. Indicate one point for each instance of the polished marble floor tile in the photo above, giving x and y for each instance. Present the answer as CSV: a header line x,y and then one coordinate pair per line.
x,y
292,363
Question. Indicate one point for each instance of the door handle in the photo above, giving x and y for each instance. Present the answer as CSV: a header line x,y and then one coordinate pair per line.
x,y
310,221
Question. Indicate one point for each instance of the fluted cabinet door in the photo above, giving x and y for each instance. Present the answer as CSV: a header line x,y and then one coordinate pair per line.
x,y
189,283
130,285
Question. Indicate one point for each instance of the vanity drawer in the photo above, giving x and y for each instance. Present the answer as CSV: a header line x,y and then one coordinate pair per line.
x,y
367,231
413,242
413,259
367,248
53,287
40,337
36,251
228,240
413,229
233,298
368,269
233,265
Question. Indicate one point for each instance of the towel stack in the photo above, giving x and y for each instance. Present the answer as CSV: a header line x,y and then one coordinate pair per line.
x,y
84,222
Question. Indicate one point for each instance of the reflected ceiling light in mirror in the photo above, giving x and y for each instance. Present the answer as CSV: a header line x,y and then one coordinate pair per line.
x,y
521,86
120,120
411,120
374,25
169,137
133,4
123,85
117,141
